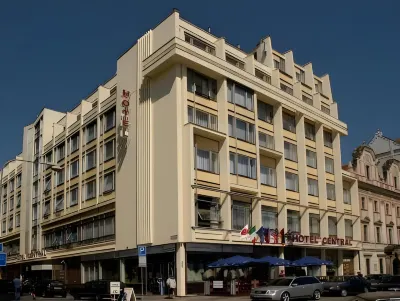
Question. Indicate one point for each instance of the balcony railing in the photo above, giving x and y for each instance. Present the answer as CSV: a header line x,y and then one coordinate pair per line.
x,y
70,245
389,220
377,217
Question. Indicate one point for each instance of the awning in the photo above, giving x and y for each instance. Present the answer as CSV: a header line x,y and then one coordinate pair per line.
x,y
274,261
234,261
311,261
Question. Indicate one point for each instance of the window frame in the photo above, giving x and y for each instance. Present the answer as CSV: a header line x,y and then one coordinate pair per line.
x,y
249,166
314,158
112,173
250,131
333,191
93,151
105,159
89,139
244,206
328,142
291,152
87,197
210,158
111,112
315,182
272,183
232,91
288,173
288,124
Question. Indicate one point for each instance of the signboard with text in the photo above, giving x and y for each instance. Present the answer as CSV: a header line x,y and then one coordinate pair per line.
x,y
115,288
142,253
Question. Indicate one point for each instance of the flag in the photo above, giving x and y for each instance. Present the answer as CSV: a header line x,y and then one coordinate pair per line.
x,y
274,235
282,234
245,232
266,235
252,232
260,234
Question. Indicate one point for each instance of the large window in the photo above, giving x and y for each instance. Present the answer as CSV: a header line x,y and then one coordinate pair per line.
x,y
312,187
74,143
301,76
279,64
311,158
90,190
109,120
234,61
293,221
109,182
60,177
265,111
47,184
266,140
346,196
109,150
207,212
202,118
269,216
17,220
328,140
201,84
314,221
289,122
307,100
11,203
73,196
290,151
268,176
240,95
292,181
240,129
74,169
378,234
46,209
348,228
287,89
241,215
60,152
390,236
365,232
19,180
329,165
207,161
332,227
330,191
91,160
309,131
243,165
199,44
91,132
59,203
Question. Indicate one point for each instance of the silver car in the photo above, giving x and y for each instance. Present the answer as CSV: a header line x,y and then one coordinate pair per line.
x,y
284,289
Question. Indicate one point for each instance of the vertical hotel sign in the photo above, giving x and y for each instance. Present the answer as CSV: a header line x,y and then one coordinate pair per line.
x,y
125,102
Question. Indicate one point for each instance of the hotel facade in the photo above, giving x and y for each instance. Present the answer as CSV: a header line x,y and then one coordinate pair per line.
x,y
190,141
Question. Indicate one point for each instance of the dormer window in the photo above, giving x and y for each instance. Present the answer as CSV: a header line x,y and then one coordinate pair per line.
x,y
367,172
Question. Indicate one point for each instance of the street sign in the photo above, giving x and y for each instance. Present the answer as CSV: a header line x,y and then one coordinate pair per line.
x,y
142,261
3,259
142,251
115,288
1,247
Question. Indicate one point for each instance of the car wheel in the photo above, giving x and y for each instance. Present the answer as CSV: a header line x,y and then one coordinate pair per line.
x,y
285,296
316,295
343,293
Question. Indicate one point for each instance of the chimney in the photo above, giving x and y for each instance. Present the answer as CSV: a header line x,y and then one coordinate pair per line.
x,y
238,46
209,29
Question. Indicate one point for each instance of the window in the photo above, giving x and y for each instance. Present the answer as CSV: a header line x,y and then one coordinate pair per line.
x,y
4,191
310,131
240,95
19,180
17,220
376,207
241,215
35,192
11,223
368,265
395,182
314,221
5,207
60,152
329,165
240,129
11,203
287,89
367,173
387,209
312,187
290,151
332,228
265,112
363,204
199,44
234,61
311,158
293,221
74,169
12,186
280,64
268,176
269,216
330,191
261,75
365,232
4,226
378,234
91,132
59,203
109,120
18,200
47,184
398,211
35,212
201,85
60,177
346,196
328,139
91,160
326,110
202,118
301,76
109,150
266,140
207,212
243,165
381,265
307,100
46,209
292,181
348,228
289,122
390,236
207,161
109,182
36,167
73,196
90,190
318,86
74,143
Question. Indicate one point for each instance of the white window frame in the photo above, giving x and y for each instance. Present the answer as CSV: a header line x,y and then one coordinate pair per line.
x,y
347,196
46,209
213,161
70,195
290,151
293,177
250,165
74,137
233,130
329,165
332,226
59,199
288,124
58,180
309,134
94,152
311,158
268,176
105,158
87,132
249,95
105,120
330,192
71,175
312,186
348,228
328,142
60,150
87,196
212,120
112,174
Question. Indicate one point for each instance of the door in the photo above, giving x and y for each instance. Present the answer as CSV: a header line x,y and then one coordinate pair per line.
x,y
348,267
309,287
297,289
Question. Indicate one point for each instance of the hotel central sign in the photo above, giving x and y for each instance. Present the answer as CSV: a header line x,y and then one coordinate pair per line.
x,y
32,255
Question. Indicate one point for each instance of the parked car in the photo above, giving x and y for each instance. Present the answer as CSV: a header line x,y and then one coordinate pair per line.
x,y
375,296
94,290
352,286
386,283
376,278
50,288
289,288
6,290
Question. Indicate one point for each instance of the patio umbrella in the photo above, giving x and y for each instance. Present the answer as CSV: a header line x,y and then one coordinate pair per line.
x,y
234,261
311,261
274,261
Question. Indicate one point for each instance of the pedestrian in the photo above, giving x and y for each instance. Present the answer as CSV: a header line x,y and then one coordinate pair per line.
x,y
17,288
171,285
33,294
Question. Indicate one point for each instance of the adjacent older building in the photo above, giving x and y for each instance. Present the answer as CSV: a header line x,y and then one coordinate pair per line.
x,y
191,141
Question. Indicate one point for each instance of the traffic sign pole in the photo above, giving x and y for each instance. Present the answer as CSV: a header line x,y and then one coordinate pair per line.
x,y
142,254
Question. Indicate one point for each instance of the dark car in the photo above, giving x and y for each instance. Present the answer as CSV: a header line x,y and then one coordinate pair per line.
x,y
376,278
94,290
375,296
386,283
6,290
351,286
50,288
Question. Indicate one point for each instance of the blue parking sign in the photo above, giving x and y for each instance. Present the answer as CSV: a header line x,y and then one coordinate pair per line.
x,y
142,251
3,259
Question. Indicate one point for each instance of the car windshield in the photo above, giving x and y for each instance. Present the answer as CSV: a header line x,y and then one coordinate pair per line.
x,y
280,282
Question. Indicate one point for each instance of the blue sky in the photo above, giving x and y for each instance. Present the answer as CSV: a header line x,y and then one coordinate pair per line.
x,y
54,53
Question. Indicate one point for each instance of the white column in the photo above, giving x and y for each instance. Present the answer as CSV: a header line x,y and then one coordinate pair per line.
x,y
340,263
180,269
122,270
82,273
323,267
356,262
282,256
100,267
304,254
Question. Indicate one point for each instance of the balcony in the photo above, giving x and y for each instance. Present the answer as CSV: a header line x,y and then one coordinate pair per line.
x,y
389,220
365,215
377,218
